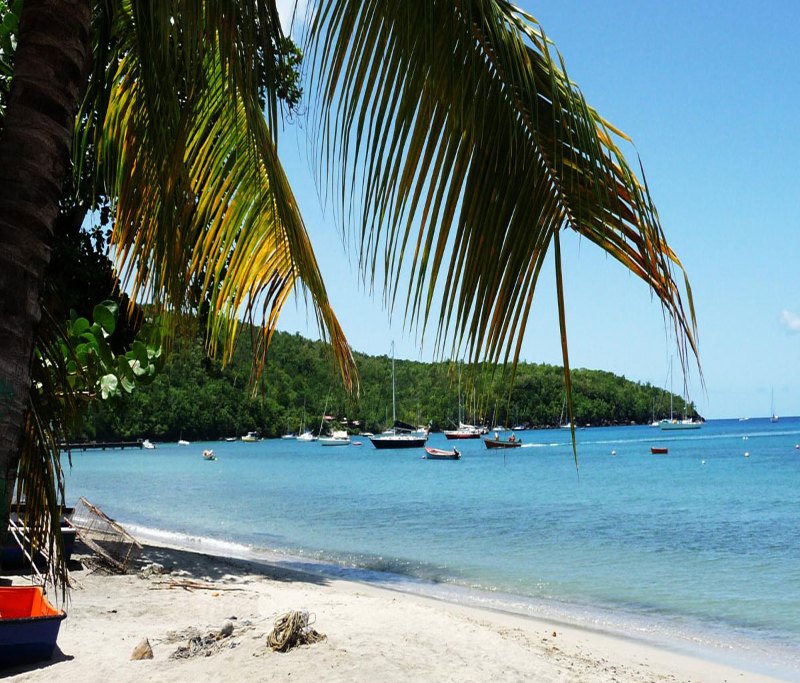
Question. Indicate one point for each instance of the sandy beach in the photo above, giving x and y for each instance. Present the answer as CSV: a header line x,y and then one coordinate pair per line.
x,y
372,633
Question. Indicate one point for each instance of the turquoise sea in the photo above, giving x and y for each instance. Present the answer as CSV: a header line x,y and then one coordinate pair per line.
x,y
697,550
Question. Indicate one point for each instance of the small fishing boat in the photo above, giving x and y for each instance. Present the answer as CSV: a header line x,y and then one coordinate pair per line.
x,y
148,444
441,454
250,437
28,625
511,442
208,454
656,450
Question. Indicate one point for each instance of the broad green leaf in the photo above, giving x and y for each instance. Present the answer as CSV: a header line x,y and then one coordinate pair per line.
x,y
105,317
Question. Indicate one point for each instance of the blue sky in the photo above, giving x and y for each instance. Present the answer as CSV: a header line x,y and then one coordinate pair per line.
x,y
710,95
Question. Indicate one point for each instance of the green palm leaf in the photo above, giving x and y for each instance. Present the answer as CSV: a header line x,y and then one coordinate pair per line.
x,y
191,160
464,150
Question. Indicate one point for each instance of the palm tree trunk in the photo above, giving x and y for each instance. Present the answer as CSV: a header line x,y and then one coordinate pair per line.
x,y
50,71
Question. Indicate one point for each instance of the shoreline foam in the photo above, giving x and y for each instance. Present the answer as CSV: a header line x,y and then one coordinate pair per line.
x,y
671,633
372,633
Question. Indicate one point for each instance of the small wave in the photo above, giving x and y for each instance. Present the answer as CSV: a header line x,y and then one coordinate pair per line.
x,y
197,543
658,627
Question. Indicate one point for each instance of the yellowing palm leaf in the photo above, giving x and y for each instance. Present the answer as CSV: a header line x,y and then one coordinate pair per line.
x,y
201,198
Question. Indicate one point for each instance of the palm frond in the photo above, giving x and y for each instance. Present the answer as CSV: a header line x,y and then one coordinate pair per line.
x,y
54,409
464,149
192,165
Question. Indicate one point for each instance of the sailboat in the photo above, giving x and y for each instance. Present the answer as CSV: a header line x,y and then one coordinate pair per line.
x,y
464,431
673,423
772,416
561,422
305,434
401,435
654,423
289,434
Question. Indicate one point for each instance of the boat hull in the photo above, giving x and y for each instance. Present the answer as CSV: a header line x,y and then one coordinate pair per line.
x,y
391,442
659,450
497,443
457,435
13,556
29,625
439,454
676,426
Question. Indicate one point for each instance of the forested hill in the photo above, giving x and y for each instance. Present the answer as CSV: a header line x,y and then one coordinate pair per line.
x,y
196,398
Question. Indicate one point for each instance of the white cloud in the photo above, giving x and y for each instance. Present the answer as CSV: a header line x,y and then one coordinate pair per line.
x,y
791,321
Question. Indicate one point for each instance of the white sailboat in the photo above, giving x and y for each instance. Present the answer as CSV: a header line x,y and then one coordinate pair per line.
x,y
289,434
338,438
305,434
772,416
673,423
464,431
561,420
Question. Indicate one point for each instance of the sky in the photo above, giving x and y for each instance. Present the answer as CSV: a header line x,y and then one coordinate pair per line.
x,y
710,95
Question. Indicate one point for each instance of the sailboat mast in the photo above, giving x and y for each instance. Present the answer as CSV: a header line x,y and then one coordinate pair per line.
x,y
670,390
460,407
394,409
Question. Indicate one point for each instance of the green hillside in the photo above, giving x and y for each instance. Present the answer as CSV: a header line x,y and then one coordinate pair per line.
x,y
197,398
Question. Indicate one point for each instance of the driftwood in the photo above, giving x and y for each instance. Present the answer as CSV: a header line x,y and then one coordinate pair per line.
x,y
191,584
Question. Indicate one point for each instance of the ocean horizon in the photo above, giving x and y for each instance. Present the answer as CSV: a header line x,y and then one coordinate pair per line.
x,y
695,550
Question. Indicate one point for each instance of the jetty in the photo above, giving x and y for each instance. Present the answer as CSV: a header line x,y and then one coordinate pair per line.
x,y
102,445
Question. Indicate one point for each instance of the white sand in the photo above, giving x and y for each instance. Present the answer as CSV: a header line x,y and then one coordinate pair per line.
x,y
373,634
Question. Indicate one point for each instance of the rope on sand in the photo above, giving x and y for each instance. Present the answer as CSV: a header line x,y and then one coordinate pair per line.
x,y
292,629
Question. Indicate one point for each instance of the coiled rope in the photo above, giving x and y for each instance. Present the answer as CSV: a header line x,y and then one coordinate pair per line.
x,y
293,629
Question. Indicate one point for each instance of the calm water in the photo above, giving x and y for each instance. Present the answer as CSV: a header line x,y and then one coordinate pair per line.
x,y
696,548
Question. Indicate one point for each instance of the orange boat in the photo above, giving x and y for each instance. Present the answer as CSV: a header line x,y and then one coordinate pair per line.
x,y
28,625
655,450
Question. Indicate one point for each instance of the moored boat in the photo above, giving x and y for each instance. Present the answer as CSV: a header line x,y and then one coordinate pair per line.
x,y
670,425
250,437
29,625
656,450
401,435
338,438
441,454
397,439
511,442
464,431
